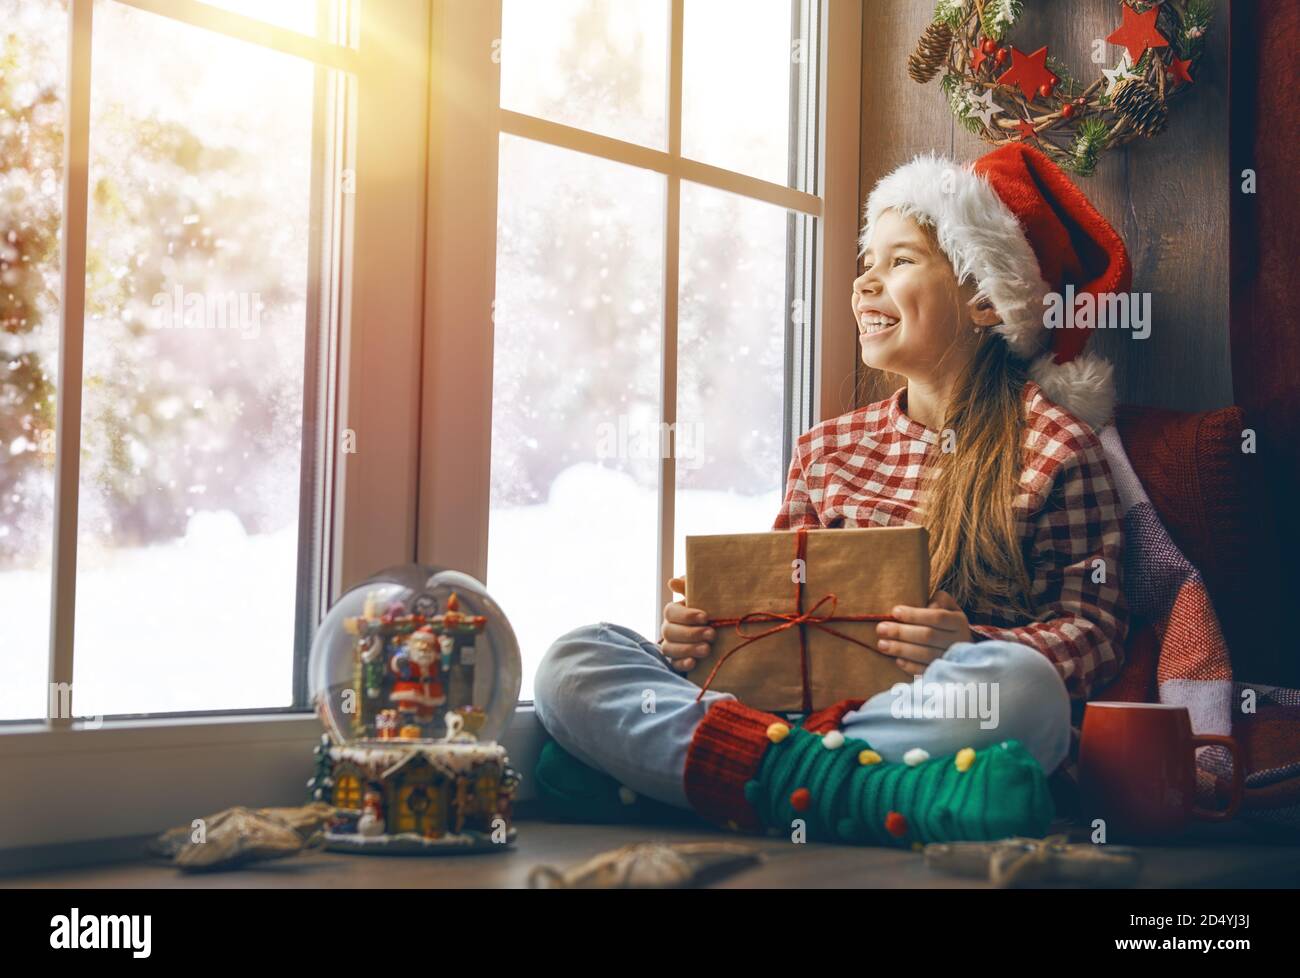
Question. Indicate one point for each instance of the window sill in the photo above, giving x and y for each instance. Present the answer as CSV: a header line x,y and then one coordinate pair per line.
x,y
157,734
138,777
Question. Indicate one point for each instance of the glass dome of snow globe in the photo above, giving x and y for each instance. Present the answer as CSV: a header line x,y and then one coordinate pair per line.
x,y
415,655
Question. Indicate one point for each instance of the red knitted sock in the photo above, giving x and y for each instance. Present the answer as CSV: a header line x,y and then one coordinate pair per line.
x,y
830,717
726,752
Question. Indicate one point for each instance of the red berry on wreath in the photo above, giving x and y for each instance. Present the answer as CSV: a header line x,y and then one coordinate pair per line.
x,y
1067,110
988,47
1001,56
1045,89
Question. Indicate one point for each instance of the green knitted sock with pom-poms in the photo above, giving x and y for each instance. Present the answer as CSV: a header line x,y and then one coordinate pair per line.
x,y
844,792
800,778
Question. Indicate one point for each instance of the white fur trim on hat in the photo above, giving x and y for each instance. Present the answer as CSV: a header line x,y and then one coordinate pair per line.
x,y
1084,386
980,235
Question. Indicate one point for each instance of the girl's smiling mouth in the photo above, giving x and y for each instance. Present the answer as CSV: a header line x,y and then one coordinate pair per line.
x,y
872,323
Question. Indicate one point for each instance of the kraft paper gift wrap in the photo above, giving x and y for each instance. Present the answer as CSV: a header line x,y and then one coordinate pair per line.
x,y
870,571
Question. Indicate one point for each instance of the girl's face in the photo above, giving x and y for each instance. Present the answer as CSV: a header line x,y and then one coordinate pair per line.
x,y
912,317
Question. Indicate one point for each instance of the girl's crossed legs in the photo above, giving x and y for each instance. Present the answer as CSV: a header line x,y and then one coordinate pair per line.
x,y
610,698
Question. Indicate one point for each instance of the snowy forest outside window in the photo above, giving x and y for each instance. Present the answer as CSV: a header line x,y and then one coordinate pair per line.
x,y
198,352
617,268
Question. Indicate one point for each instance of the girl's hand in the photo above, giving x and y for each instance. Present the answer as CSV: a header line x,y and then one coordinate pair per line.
x,y
922,635
683,639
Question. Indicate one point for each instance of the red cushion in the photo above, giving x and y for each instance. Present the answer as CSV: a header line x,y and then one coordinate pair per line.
x,y
1136,682
1205,490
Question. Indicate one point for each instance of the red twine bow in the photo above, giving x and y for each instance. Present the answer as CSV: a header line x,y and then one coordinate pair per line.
x,y
798,617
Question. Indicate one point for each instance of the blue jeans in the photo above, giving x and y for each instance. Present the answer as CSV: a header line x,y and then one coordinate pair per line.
x,y
610,698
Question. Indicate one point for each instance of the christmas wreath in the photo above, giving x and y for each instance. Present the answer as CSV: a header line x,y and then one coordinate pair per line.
x,y
1002,94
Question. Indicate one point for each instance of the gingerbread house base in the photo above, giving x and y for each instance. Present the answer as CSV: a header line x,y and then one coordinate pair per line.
x,y
420,798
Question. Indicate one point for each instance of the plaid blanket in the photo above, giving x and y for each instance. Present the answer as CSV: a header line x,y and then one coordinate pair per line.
x,y
1178,655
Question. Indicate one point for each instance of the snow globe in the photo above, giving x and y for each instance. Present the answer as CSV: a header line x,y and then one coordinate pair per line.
x,y
415,674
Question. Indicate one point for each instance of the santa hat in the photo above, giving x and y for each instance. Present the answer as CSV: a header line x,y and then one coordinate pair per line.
x,y
1016,224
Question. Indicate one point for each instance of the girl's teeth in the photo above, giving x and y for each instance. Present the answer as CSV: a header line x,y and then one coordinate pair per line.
x,y
875,323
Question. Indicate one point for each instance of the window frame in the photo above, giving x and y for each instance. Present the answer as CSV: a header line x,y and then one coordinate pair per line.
x,y
454,501
416,254
366,288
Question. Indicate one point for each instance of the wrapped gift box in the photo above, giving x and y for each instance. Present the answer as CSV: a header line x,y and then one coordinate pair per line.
x,y
869,571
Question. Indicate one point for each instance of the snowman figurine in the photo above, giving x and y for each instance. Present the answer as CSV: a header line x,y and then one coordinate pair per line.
x,y
456,732
371,823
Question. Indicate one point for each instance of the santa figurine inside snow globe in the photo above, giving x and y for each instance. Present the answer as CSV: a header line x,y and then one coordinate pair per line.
x,y
415,673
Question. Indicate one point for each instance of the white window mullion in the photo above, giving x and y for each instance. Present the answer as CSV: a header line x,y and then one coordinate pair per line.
x,y
376,477
239,27
341,238
672,256
619,151
460,287
805,156
835,352
332,219
72,321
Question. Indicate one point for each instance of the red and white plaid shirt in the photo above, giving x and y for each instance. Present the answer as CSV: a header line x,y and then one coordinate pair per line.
x,y
865,469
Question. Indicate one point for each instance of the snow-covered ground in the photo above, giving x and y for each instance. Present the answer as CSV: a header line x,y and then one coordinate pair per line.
x,y
589,554
202,623
206,622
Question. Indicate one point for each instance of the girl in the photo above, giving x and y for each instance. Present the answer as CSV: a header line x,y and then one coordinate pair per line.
x,y
990,445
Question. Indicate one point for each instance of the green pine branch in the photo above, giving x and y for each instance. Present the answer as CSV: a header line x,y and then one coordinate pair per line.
x,y
959,101
1196,22
1089,142
998,16
951,12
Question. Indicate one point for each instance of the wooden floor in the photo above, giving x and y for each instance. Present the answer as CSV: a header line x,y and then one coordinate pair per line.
x,y
1196,864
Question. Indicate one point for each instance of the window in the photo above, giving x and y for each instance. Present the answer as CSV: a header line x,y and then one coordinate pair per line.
x,y
188,359
218,249
193,383
402,259
33,92
659,181
587,473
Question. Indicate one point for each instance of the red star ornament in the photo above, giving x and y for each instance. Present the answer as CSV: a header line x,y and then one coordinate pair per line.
x,y
1138,32
977,57
1029,71
1026,129
1178,68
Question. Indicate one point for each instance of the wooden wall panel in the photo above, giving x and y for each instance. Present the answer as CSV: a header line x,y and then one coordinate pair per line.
x,y
899,119
1168,196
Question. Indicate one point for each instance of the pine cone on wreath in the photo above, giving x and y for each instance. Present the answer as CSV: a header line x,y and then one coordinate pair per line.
x,y
931,52
1140,105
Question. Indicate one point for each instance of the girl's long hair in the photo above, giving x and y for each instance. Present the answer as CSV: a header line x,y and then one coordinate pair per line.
x,y
968,495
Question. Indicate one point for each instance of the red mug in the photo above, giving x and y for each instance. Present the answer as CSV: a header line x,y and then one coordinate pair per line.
x,y
1137,770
